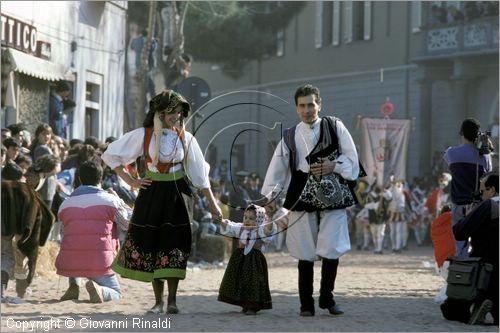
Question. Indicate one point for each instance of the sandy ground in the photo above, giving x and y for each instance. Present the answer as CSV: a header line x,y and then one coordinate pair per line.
x,y
379,293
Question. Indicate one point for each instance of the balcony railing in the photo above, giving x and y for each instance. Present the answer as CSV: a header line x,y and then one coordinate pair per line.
x,y
478,36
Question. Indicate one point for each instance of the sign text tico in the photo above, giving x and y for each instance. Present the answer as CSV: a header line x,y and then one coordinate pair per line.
x,y
19,35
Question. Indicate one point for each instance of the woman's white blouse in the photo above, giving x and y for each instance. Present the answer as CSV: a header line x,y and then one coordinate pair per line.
x,y
130,146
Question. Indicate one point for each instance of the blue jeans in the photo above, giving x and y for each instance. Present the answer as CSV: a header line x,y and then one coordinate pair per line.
x,y
109,284
457,213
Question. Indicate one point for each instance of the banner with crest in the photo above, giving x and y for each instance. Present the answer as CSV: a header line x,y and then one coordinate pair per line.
x,y
384,148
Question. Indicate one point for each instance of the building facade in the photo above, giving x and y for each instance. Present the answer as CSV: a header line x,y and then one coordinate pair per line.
x,y
82,43
360,54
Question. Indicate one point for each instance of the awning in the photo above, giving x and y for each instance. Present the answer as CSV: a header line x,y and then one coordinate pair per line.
x,y
37,67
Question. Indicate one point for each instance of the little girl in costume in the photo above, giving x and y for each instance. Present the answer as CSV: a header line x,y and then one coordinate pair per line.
x,y
245,282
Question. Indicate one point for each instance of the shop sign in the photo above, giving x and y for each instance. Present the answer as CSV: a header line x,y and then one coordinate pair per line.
x,y
43,50
18,35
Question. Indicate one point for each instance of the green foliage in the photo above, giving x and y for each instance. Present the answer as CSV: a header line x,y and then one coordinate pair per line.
x,y
232,33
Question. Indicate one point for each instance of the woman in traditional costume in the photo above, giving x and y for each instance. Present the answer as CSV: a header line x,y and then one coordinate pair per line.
x,y
158,241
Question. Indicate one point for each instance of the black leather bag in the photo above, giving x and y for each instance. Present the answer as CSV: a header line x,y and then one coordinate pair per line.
x,y
467,277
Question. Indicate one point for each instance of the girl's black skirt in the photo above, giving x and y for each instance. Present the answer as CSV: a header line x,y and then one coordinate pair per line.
x,y
245,282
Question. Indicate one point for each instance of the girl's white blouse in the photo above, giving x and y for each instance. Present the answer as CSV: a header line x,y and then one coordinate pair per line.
x,y
233,229
130,146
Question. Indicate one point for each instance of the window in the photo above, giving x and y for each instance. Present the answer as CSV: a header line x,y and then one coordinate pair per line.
x,y
416,16
336,23
327,23
93,98
347,28
357,21
91,12
280,43
318,30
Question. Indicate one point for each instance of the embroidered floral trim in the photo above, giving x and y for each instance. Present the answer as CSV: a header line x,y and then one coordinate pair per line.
x,y
132,258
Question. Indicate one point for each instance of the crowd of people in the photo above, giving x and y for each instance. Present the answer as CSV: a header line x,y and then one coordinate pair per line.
x,y
387,217
151,192
466,12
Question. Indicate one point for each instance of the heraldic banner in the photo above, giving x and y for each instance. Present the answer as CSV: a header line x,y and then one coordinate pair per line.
x,y
385,148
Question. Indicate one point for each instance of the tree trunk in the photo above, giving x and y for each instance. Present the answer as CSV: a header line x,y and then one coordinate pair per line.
x,y
143,71
177,15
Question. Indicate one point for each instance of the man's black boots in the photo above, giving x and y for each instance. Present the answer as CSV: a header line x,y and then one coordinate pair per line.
x,y
328,276
306,275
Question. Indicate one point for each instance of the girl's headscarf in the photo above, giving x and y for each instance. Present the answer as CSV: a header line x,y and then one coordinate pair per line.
x,y
249,237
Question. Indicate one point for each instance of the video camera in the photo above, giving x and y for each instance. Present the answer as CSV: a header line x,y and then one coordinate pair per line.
x,y
483,143
476,197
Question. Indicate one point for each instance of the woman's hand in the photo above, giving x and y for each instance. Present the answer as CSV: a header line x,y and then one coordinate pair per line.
x,y
131,181
215,210
212,204
140,182
323,167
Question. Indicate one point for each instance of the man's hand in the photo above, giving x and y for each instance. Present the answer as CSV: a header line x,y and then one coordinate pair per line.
x,y
323,167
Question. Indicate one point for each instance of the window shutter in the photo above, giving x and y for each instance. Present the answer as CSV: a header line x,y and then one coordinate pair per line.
x,y
280,43
347,21
318,33
336,23
367,24
416,16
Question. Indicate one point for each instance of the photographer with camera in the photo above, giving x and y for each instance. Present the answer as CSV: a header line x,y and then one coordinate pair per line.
x,y
467,163
481,225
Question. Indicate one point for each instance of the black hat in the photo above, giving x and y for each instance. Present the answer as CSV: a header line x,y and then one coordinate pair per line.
x,y
168,101
242,173
62,86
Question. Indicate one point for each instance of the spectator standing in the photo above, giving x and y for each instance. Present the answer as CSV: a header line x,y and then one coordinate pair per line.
x,y
253,187
466,166
69,110
442,236
397,218
57,117
378,215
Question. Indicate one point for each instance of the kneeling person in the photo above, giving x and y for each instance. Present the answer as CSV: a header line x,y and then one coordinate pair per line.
x,y
92,218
